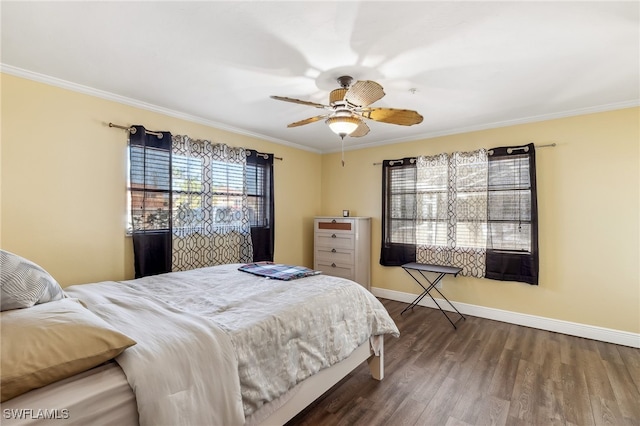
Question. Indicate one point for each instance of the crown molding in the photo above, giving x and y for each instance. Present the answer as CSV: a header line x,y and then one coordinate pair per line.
x,y
53,81
536,118
64,84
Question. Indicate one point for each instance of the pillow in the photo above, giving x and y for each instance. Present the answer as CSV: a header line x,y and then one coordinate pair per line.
x,y
53,341
24,283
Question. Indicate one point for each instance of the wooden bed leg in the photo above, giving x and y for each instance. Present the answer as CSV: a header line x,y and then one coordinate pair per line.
x,y
376,365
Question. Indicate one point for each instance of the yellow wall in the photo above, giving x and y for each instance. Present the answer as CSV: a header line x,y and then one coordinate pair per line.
x,y
63,203
63,176
588,197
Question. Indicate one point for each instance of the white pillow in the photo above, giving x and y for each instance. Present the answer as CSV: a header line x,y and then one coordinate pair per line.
x,y
24,283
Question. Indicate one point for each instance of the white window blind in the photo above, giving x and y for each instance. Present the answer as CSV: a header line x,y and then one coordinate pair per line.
x,y
149,186
510,204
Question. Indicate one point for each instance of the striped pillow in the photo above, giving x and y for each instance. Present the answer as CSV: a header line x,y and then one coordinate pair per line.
x,y
24,283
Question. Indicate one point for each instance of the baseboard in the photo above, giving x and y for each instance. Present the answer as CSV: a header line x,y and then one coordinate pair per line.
x,y
559,326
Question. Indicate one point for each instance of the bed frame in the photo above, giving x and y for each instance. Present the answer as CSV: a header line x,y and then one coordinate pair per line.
x,y
315,386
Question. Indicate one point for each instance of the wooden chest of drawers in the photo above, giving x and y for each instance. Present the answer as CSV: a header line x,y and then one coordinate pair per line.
x,y
342,247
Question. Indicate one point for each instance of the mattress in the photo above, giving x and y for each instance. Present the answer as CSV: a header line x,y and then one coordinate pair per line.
x,y
102,396
99,396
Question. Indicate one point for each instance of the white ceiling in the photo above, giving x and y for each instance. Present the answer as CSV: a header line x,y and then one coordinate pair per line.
x,y
473,65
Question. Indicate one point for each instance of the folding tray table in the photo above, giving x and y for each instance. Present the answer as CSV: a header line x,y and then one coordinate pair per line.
x,y
423,268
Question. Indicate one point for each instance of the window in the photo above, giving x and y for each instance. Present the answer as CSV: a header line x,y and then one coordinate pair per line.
x,y
150,200
192,189
470,210
150,188
512,241
185,195
432,200
227,194
188,194
510,204
259,194
452,202
398,212
188,190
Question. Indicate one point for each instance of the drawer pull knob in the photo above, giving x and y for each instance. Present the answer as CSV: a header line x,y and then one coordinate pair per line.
x,y
333,265
334,221
333,250
333,236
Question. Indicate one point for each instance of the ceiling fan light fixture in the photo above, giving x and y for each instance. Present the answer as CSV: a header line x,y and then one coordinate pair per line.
x,y
343,126
349,109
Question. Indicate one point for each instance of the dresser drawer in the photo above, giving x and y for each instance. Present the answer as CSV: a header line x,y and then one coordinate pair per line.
x,y
335,255
334,240
335,269
335,225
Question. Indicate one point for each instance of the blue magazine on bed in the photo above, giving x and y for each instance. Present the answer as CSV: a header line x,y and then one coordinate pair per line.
x,y
278,271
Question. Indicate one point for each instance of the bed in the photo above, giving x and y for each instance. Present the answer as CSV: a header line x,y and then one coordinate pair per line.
x,y
209,346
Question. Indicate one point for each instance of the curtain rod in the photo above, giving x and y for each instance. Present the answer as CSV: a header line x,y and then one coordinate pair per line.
x,y
513,149
133,131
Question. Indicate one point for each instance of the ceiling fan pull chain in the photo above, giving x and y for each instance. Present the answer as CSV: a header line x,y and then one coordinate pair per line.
x,y
342,143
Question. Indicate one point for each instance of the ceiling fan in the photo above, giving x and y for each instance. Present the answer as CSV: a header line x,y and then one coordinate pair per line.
x,y
349,107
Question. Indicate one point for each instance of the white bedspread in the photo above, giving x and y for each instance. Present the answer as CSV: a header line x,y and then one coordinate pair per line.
x,y
283,331
181,364
268,334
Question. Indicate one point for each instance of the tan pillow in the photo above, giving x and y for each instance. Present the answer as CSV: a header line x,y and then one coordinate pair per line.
x,y
53,341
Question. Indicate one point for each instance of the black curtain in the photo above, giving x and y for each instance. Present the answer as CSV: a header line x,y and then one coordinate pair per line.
x,y
512,246
152,252
150,189
260,188
398,212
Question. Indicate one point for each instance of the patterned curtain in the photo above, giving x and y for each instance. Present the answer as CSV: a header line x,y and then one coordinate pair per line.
x,y
451,216
210,210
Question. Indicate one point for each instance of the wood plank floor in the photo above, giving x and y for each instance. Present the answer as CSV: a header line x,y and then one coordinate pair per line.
x,y
485,373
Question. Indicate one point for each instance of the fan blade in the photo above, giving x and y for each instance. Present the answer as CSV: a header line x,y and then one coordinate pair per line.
x,y
403,117
308,120
364,93
361,130
298,101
